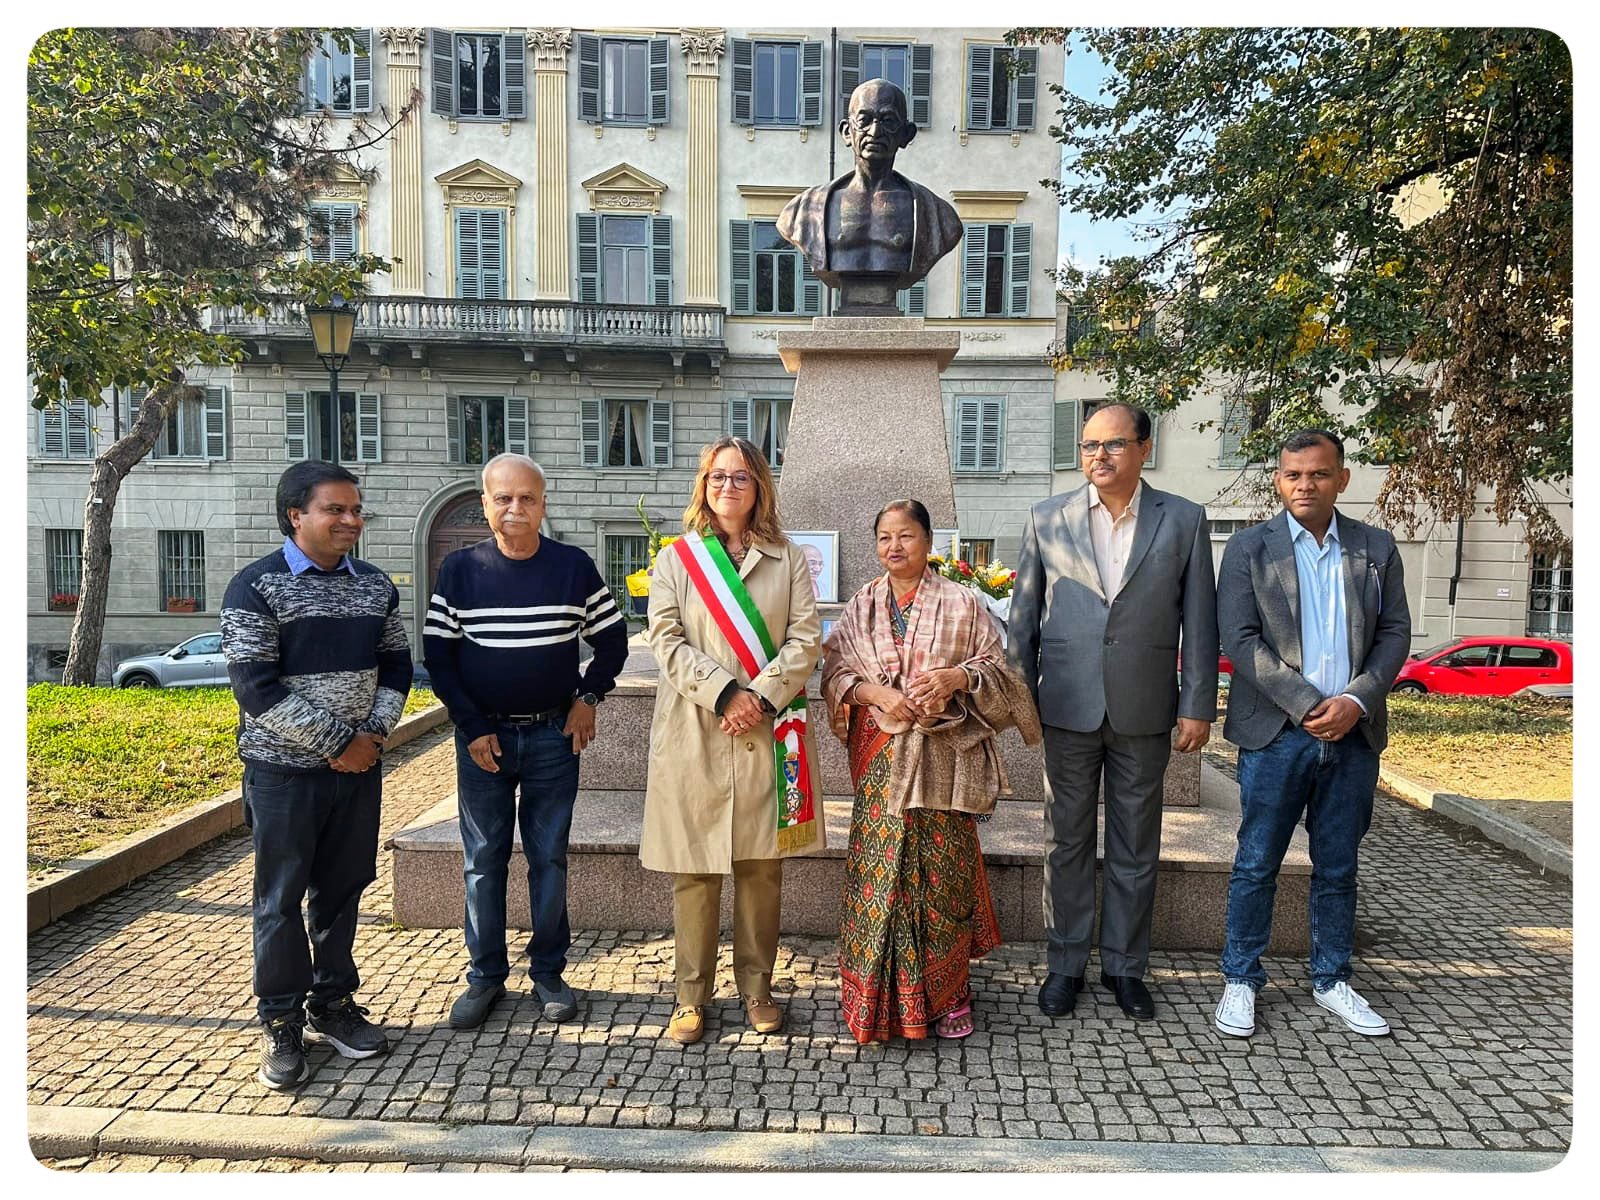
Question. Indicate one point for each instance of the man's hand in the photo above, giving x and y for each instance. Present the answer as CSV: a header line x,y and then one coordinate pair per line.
x,y
580,725
742,714
359,755
1332,718
484,750
1192,734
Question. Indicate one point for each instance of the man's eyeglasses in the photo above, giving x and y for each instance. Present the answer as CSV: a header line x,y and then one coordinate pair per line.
x,y
1112,446
888,122
738,479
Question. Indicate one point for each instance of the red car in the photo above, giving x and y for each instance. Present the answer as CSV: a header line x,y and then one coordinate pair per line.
x,y
1486,666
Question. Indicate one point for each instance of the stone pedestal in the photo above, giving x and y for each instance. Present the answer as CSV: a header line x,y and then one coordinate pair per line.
x,y
867,427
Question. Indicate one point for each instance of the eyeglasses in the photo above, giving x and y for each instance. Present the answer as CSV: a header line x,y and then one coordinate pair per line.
x,y
1112,446
739,479
888,122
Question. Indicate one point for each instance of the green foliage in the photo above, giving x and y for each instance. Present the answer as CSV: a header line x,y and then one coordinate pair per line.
x,y
1366,229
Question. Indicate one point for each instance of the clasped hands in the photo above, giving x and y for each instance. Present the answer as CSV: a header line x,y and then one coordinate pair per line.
x,y
360,755
1332,718
741,714
927,694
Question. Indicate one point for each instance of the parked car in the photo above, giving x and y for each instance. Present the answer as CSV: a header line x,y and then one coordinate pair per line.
x,y
197,662
1486,666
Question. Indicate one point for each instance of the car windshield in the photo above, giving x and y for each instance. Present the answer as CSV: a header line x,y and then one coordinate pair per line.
x,y
1432,650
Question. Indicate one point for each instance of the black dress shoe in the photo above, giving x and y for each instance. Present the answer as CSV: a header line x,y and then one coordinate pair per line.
x,y
1059,995
1132,995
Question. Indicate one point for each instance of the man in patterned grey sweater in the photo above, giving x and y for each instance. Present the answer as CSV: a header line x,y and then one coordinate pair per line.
x,y
320,665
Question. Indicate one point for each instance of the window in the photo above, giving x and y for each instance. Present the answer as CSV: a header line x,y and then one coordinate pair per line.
x,y
1238,422
906,65
997,101
195,428
1468,656
480,253
632,432
996,263
66,430
913,301
1527,656
980,433
1223,528
339,78
625,554
624,260
1550,597
315,427
63,568
1070,418
623,81
770,276
331,232
479,76
182,557
479,427
764,421
978,553
777,83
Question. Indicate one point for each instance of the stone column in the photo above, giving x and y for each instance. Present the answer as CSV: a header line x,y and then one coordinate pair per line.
x,y
552,270
405,163
703,48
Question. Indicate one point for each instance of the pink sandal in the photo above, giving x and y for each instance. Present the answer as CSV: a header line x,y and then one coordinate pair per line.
x,y
949,1025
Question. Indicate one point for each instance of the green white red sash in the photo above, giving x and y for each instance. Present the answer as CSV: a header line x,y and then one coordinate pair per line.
x,y
717,583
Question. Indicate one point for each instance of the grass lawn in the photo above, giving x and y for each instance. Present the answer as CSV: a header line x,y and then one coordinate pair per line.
x,y
1486,747
107,762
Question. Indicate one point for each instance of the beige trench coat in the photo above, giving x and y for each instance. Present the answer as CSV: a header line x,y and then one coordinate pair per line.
x,y
711,798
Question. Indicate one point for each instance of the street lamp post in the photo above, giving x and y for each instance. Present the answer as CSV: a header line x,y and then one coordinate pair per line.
x,y
333,325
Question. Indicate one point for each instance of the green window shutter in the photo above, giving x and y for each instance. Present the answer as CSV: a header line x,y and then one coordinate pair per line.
x,y
1235,426
492,253
452,429
739,417
588,78
921,95
913,301
742,264
660,74
80,429
811,83
294,425
967,430
516,424
980,69
1025,88
342,231
1019,271
974,245
661,261
661,433
744,81
810,289
469,270
1064,435
361,72
991,434
514,75
589,429
369,428
215,428
848,62
442,52
53,431
588,258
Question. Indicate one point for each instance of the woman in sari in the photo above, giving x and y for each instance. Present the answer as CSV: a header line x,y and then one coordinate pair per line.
x,y
915,682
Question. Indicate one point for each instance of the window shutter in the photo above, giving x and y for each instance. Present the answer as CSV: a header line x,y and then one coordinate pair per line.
x,y
341,232
1025,87
974,244
361,72
216,422
810,289
588,78
589,431
516,424
1019,271
308,91
442,50
80,435
369,428
1235,424
514,74
452,429
849,67
744,81
660,57
661,261
992,434
469,268
492,253
967,417
739,417
52,431
1064,435
921,96
810,83
588,258
980,66
294,425
913,300
741,264
661,433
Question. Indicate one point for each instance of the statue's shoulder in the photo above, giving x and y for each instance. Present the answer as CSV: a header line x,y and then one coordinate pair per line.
x,y
801,205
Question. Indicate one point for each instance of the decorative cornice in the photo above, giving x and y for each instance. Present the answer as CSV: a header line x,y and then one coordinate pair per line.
x,y
702,48
405,45
624,187
550,48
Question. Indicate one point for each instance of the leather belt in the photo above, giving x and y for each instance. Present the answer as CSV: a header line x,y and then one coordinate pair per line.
x,y
538,718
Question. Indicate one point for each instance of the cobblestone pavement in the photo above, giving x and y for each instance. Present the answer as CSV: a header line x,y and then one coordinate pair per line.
x,y
142,1001
148,1163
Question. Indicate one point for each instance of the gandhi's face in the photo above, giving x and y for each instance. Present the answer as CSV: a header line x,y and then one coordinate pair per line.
x,y
877,127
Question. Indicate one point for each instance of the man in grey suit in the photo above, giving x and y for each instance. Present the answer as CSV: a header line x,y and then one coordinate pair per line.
x,y
1313,612
1109,577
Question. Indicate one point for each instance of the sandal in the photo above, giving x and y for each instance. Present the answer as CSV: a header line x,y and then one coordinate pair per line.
x,y
955,1024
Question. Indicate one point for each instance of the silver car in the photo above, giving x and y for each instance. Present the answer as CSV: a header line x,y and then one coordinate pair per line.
x,y
198,662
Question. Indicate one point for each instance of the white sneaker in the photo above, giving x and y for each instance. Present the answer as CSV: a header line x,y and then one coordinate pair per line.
x,y
1344,1002
1236,1011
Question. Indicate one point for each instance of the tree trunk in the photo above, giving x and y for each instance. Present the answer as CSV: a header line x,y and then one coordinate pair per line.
x,y
110,469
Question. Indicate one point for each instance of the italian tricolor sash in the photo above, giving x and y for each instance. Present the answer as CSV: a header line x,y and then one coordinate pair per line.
x,y
717,583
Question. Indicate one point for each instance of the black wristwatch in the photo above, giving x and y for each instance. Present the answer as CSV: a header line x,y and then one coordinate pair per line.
x,y
589,698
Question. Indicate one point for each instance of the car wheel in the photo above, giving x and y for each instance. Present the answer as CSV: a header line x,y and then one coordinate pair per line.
x,y
1410,685
140,680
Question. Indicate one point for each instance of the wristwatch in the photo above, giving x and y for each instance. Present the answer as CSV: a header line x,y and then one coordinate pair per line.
x,y
589,698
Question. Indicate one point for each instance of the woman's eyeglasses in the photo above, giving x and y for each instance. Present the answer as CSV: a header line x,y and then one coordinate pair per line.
x,y
738,479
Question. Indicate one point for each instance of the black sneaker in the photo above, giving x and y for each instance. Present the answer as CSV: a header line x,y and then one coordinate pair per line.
x,y
283,1057
344,1026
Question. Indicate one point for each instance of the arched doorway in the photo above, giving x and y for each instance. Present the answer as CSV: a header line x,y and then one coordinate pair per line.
x,y
460,523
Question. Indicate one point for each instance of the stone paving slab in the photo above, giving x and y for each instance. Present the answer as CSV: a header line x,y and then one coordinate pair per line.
x,y
141,1002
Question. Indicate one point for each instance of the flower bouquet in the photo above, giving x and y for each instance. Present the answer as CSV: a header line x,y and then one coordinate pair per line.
x,y
993,582
639,582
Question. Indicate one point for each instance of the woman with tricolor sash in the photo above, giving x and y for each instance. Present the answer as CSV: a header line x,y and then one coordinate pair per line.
x,y
733,785
916,685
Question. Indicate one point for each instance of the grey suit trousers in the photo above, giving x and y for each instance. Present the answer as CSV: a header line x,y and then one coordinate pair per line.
x,y
1134,769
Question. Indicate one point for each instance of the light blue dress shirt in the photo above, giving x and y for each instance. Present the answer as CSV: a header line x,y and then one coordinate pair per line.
x,y
1324,633
299,564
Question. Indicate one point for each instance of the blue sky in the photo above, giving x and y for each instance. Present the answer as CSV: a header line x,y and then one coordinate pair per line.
x,y
1082,240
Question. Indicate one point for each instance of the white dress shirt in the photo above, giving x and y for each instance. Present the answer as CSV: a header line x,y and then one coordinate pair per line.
x,y
1113,539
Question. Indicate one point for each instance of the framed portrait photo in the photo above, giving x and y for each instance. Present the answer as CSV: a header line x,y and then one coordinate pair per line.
x,y
821,549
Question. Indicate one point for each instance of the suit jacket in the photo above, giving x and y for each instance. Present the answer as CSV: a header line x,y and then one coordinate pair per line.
x,y
1087,659
1258,604
936,229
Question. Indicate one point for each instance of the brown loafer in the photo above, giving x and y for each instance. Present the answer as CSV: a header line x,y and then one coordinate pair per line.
x,y
687,1024
765,1016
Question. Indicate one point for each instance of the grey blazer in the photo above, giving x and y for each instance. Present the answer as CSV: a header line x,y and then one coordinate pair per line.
x,y
1087,659
1258,607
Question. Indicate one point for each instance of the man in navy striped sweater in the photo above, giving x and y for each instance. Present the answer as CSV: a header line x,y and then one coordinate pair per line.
x,y
320,665
501,644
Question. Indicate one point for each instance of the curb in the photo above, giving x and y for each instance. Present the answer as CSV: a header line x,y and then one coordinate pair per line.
x,y
1544,850
56,1131
81,881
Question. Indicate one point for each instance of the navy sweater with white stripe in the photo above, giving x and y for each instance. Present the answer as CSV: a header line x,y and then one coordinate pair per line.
x,y
502,633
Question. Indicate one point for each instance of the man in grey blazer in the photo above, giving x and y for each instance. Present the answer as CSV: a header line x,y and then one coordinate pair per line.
x,y
1313,613
1112,578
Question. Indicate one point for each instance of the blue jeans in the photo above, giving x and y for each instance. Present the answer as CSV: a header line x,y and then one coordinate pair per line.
x,y
535,787
1332,783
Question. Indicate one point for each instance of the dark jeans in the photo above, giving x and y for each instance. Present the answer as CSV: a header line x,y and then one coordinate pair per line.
x,y
1332,783
316,839
535,789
